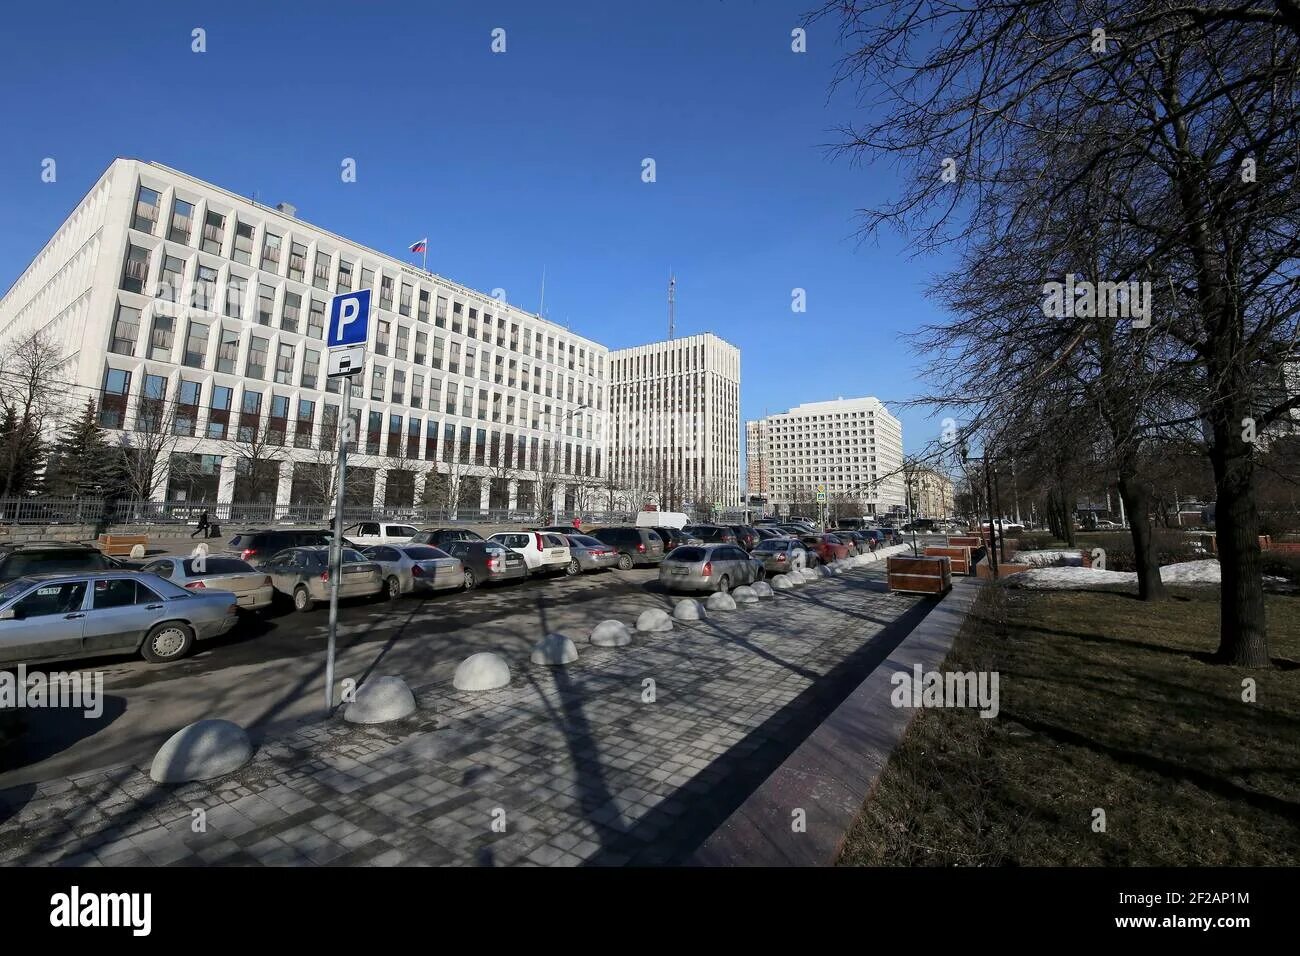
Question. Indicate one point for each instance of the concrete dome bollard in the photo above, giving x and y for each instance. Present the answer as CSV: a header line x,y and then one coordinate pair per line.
x,y
763,589
745,594
808,574
721,602
688,609
482,671
137,551
380,700
655,619
782,582
201,751
554,650
610,634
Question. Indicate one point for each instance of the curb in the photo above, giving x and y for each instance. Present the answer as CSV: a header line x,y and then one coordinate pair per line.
x,y
830,775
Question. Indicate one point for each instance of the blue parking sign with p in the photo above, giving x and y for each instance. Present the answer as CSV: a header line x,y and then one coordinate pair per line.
x,y
349,318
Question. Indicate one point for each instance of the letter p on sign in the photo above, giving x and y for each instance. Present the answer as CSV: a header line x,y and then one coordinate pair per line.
x,y
349,318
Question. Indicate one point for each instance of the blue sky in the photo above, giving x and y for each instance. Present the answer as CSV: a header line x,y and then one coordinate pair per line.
x,y
509,163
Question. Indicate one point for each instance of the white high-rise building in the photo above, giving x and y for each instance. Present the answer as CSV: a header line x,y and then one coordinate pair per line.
x,y
674,432
850,449
191,312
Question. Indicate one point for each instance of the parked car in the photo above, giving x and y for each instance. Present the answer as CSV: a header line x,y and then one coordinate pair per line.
x,y
487,562
635,546
797,529
544,552
712,534
780,554
303,574
46,617
559,529
709,567
675,537
827,547
39,557
769,532
589,554
256,546
253,589
367,533
442,537
412,568
856,541
746,536
891,536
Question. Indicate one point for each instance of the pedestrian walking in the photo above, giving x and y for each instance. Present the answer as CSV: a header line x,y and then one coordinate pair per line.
x,y
203,524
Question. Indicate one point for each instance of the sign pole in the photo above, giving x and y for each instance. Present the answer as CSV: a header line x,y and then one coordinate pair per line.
x,y
336,546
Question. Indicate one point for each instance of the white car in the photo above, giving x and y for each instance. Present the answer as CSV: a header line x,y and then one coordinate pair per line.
x,y
544,552
367,533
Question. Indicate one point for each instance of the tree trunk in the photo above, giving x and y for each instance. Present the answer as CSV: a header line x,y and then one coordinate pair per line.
x,y
1243,636
1133,493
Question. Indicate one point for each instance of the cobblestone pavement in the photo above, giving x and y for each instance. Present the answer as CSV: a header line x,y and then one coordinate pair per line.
x,y
630,755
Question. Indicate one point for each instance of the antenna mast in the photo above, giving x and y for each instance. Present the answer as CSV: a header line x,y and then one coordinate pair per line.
x,y
672,295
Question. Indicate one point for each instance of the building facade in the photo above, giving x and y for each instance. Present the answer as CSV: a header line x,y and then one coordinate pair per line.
x,y
757,479
195,318
932,494
851,450
674,432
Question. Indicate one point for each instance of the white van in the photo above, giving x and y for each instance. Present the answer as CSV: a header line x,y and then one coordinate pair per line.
x,y
367,533
662,519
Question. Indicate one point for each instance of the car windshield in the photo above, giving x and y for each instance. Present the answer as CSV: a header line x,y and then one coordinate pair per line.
x,y
14,588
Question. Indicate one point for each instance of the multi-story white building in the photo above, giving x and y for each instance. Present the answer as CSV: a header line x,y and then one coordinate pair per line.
x,y
852,449
185,309
675,422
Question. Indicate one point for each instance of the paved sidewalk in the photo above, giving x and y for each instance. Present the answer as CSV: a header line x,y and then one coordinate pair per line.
x,y
565,766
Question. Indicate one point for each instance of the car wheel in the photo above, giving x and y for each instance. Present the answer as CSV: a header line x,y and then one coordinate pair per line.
x,y
302,600
724,586
169,641
625,562
393,587
573,567
470,581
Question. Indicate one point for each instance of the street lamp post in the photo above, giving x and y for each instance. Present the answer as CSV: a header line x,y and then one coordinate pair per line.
x,y
555,452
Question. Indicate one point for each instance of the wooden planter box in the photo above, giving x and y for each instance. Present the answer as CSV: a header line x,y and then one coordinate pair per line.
x,y
966,540
120,545
958,554
929,575
984,570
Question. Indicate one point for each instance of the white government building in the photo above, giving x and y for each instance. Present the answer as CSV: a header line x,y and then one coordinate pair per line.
x,y
853,448
181,306
675,422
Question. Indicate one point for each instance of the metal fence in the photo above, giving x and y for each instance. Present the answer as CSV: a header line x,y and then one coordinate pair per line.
x,y
93,511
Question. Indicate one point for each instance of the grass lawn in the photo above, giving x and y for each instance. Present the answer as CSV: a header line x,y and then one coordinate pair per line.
x,y
1107,703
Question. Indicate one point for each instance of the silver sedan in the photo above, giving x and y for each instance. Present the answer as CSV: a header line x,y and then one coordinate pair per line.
x,y
416,568
253,588
304,575
709,567
588,554
780,555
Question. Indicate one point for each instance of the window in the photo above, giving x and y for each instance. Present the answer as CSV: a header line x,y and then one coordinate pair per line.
x,y
243,250
377,376
265,303
112,400
451,399
403,343
471,356
316,318
466,401
383,333
421,347
250,415
329,426
160,338
310,367
255,365
471,327
482,403
440,317
404,302
277,425
291,312
373,430
170,281
302,430
135,269
228,351
235,288
148,416
53,599
321,277
187,408
422,309
456,314
438,343
146,210
367,278
345,276
417,390
271,253
205,288
284,364
182,216
219,416
214,232
297,261
126,329
386,293
398,393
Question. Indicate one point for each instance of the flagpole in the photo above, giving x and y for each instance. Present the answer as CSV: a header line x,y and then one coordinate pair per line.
x,y
425,262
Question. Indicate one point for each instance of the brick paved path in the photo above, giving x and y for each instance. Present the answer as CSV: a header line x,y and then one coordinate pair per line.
x,y
577,763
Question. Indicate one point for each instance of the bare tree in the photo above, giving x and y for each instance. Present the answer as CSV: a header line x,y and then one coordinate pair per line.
x,y
32,399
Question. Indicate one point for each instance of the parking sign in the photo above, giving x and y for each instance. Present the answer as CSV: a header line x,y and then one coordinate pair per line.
x,y
349,318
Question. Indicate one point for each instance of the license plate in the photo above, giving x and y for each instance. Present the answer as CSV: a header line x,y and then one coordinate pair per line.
x,y
677,570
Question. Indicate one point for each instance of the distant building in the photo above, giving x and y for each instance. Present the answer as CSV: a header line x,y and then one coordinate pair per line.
x,y
850,450
674,433
932,494
757,479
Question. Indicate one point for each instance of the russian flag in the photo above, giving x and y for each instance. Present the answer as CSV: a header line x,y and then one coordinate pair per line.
x,y
420,246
